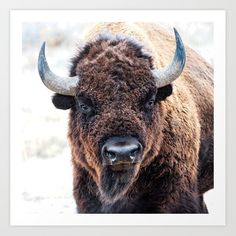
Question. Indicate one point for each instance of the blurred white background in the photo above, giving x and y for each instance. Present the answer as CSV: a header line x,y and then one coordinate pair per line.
x,y
47,172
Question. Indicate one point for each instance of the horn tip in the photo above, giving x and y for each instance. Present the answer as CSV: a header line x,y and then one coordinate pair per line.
x,y
177,36
180,47
41,59
43,47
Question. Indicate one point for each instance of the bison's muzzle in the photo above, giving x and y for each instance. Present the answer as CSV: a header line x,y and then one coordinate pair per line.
x,y
121,152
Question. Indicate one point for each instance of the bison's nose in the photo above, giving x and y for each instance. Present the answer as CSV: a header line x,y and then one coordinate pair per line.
x,y
121,150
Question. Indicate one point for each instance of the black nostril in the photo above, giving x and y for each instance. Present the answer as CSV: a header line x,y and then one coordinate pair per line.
x,y
109,155
135,152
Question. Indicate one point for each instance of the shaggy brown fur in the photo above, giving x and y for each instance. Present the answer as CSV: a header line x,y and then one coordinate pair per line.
x,y
177,134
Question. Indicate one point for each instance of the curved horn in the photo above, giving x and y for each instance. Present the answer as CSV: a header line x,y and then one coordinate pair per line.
x,y
171,72
61,85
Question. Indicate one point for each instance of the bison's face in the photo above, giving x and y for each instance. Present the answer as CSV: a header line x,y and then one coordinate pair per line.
x,y
115,121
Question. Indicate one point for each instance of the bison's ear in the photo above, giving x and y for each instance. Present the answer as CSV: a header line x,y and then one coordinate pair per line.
x,y
62,101
164,92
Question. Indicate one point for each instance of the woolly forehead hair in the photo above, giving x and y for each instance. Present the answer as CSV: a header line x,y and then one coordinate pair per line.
x,y
111,41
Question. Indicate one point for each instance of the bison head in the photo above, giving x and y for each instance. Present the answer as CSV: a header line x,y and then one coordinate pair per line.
x,y
115,95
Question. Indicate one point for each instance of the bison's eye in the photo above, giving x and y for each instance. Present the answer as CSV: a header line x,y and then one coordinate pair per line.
x,y
150,103
84,106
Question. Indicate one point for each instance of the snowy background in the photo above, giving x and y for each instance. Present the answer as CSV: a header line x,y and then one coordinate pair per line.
x,y
46,165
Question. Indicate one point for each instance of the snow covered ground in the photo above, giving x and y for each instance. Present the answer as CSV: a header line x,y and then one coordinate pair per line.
x,y
47,185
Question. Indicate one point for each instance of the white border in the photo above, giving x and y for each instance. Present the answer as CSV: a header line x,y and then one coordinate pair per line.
x,y
218,18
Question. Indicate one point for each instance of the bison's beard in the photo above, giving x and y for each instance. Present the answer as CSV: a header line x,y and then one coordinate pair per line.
x,y
115,184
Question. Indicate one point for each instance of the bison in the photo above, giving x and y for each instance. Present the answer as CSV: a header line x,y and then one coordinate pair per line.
x,y
140,125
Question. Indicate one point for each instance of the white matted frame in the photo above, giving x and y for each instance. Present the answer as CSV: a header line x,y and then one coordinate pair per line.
x,y
217,217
